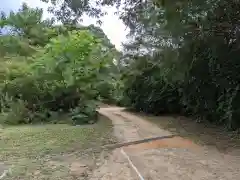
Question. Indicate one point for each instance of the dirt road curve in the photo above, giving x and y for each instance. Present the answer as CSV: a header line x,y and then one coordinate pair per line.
x,y
169,159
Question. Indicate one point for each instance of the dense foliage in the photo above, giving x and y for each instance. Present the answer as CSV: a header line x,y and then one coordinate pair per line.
x,y
49,70
193,67
181,56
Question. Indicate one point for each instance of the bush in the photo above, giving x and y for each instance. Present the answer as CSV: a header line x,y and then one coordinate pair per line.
x,y
61,78
154,98
207,90
15,113
83,114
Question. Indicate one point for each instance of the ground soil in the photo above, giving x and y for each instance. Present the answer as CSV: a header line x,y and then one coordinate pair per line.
x,y
82,152
169,159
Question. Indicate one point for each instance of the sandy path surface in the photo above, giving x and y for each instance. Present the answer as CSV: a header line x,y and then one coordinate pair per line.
x,y
172,159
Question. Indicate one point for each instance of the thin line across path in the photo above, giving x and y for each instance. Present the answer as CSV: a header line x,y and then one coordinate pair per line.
x,y
119,145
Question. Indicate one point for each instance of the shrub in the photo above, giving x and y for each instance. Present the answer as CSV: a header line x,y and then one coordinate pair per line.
x,y
16,113
61,78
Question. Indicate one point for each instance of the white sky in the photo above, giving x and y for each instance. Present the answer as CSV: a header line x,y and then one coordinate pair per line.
x,y
112,26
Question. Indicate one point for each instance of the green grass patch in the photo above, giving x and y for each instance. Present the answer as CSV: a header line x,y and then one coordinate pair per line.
x,y
47,151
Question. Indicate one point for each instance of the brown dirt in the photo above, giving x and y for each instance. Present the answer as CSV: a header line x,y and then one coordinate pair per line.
x,y
168,159
202,133
77,169
116,167
175,142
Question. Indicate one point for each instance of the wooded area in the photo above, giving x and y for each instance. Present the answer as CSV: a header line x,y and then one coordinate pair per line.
x,y
181,58
49,69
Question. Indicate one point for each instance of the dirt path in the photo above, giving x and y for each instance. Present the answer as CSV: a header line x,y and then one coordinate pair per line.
x,y
169,159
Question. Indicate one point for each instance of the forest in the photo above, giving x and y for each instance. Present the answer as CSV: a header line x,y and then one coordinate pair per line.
x,y
180,58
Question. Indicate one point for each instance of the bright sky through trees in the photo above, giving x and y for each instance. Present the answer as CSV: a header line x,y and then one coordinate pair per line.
x,y
112,26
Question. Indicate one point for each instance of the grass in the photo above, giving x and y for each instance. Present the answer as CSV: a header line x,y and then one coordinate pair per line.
x,y
48,151
201,133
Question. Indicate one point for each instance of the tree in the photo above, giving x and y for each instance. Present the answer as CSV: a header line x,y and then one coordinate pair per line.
x,y
185,48
61,71
28,23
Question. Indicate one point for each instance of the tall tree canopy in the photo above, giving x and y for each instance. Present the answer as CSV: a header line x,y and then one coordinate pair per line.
x,y
181,55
